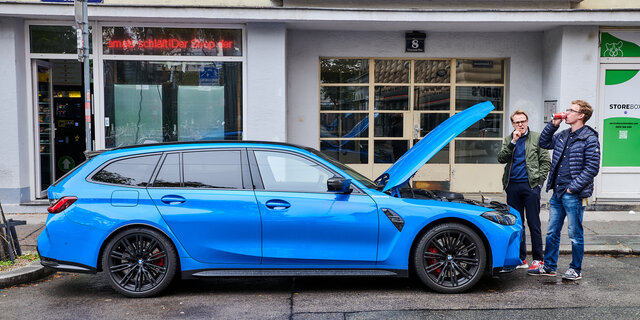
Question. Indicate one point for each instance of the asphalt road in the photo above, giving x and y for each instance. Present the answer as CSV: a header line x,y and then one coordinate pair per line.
x,y
610,289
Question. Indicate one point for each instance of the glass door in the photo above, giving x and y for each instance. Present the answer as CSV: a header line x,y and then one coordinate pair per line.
x,y
44,117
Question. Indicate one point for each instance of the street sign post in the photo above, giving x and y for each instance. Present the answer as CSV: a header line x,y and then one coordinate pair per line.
x,y
82,29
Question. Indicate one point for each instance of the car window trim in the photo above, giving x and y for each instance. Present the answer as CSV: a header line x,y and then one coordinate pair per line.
x,y
246,185
254,168
89,177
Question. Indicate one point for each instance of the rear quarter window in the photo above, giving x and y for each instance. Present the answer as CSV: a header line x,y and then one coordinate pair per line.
x,y
135,171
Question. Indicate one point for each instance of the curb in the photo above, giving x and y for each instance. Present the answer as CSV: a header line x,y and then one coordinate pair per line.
x,y
32,272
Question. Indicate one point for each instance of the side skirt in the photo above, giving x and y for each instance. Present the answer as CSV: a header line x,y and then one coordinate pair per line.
x,y
207,273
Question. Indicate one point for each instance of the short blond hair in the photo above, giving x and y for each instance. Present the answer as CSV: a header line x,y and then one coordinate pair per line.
x,y
585,108
519,112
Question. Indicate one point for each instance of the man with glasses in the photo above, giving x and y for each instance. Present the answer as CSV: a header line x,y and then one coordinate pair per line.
x,y
576,162
526,169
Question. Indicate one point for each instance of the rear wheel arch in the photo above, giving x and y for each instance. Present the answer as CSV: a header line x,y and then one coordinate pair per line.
x,y
133,226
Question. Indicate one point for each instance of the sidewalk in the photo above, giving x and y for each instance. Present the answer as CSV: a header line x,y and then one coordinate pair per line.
x,y
605,232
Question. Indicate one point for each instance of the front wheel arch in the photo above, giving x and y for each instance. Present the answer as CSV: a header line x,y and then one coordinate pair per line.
x,y
433,224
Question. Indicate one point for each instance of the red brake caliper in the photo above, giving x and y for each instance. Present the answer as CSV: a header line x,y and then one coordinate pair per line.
x,y
433,249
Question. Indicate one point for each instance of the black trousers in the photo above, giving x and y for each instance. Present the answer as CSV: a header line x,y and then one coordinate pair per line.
x,y
527,201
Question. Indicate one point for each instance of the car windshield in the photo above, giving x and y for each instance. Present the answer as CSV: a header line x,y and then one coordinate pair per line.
x,y
354,174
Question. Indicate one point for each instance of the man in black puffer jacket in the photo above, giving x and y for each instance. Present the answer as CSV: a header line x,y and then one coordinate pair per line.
x,y
574,165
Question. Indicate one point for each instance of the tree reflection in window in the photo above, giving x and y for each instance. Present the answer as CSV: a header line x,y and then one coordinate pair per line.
x,y
129,172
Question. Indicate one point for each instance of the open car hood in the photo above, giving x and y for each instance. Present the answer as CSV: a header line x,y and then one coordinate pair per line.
x,y
403,169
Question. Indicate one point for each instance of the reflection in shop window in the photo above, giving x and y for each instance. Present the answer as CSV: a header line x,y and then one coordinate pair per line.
x,y
480,71
344,71
55,39
344,98
149,101
346,151
477,151
432,71
487,127
392,71
391,98
345,125
388,151
388,125
432,98
470,96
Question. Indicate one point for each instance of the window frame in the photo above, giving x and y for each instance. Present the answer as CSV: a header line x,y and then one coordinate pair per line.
x,y
257,176
90,176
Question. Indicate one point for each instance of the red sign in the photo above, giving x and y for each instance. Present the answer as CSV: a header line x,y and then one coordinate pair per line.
x,y
169,44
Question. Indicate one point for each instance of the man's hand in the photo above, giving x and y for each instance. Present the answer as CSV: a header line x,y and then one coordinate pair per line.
x,y
568,191
556,122
516,135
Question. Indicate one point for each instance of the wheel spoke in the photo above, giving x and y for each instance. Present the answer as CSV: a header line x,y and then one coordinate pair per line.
x,y
453,277
127,277
149,247
433,255
157,256
466,250
120,256
462,271
467,260
121,267
438,247
138,280
128,247
440,279
434,266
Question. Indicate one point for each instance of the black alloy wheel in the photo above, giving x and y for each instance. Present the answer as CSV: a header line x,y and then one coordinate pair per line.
x,y
139,262
450,258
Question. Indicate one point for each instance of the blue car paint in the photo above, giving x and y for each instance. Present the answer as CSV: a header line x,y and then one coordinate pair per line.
x,y
329,235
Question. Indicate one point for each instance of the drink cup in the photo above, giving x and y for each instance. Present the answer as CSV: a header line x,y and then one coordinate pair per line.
x,y
560,115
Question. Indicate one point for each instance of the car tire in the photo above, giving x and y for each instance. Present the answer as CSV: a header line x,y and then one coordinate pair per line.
x,y
139,262
450,258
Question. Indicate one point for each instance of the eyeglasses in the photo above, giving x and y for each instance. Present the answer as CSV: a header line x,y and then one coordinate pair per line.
x,y
519,122
571,110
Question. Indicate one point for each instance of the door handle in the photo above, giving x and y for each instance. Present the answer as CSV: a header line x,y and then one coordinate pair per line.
x,y
277,204
173,199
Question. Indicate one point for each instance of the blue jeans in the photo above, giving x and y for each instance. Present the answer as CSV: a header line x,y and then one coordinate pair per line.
x,y
569,206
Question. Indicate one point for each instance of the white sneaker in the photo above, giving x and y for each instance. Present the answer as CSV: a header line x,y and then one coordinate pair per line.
x,y
524,265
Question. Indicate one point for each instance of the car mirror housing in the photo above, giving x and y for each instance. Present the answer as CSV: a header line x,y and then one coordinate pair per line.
x,y
339,185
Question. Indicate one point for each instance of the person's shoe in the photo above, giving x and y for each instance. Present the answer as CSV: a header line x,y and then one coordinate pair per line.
x,y
536,264
572,274
524,265
541,271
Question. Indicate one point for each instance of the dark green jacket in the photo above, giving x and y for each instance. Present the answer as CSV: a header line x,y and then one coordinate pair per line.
x,y
537,159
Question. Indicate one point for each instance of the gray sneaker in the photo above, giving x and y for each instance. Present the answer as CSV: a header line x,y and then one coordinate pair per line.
x,y
572,274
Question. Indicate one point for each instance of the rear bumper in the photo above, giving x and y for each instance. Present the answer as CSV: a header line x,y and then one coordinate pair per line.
x,y
66,266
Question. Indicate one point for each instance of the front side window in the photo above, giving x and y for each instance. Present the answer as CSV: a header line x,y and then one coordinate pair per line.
x,y
129,172
288,172
212,169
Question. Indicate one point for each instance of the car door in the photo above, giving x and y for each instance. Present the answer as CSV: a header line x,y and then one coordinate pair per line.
x,y
207,200
303,223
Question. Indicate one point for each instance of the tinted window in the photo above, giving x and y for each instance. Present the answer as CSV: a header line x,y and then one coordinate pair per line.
x,y
131,171
212,169
169,175
287,172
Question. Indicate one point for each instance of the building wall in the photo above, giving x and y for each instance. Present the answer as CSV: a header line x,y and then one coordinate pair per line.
x,y
14,133
265,110
524,86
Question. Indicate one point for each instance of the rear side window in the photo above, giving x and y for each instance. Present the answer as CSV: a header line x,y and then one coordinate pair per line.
x,y
129,172
212,169
169,174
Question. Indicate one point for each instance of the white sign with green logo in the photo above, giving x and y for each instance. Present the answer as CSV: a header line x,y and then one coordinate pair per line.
x,y
620,44
621,135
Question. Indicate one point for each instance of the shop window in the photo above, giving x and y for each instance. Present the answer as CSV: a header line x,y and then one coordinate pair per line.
x,y
410,98
54,39
150,101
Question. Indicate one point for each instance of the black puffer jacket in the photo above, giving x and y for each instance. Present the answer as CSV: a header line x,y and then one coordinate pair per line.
x,y
584,157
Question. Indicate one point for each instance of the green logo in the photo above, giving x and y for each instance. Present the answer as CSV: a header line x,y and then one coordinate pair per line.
x,y
66,163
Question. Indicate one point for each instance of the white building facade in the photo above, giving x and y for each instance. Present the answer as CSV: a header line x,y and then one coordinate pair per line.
x,y
313,73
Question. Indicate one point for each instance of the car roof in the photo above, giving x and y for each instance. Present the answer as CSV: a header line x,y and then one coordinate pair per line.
x,y
247,143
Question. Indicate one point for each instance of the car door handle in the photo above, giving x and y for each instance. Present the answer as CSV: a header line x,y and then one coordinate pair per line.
x,y
173,199
277,204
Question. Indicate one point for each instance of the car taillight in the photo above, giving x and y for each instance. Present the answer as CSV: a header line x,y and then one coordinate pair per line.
x,y
62,204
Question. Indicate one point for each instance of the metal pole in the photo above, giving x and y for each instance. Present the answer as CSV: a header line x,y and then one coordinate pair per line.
x,y
87,76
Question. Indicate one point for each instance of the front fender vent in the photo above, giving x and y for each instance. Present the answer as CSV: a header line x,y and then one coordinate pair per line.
x,y
395,218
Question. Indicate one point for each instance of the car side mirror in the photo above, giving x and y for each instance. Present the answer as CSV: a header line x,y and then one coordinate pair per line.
x,y
339,185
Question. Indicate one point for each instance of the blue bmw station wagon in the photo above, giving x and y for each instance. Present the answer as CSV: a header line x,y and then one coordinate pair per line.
x,y
145,215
